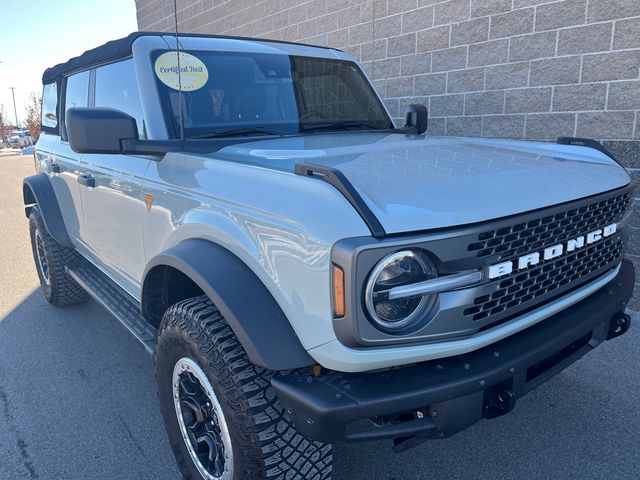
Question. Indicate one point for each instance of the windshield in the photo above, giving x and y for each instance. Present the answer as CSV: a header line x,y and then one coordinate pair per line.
x,y
243,93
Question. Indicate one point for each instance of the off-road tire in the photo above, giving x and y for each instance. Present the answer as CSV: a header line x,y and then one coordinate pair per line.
x,y
265,444
60,290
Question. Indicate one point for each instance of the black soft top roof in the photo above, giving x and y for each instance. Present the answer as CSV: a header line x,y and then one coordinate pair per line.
x,y
109,51
120,48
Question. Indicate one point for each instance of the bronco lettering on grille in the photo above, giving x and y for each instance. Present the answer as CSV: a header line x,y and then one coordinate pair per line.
x,y
505,268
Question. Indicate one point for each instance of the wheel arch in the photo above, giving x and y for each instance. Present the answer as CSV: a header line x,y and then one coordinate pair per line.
x,y
37,189
244,301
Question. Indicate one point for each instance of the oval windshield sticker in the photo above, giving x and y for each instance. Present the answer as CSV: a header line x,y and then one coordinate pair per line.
x,y
193,72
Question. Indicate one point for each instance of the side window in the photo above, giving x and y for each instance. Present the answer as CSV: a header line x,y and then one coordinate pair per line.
x,y
50,106
116,87
77,91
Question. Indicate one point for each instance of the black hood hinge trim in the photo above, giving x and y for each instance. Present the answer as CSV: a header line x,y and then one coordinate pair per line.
x,y
336,178
587,142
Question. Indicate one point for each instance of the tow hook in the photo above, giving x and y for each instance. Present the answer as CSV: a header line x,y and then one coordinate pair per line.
x,y
504,402
620,323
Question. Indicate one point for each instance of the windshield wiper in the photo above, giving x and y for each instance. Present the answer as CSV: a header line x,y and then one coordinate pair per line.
x,y
237,131
342,124
337,125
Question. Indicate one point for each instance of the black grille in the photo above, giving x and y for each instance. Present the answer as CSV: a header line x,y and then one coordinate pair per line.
x,y
521,238
524,287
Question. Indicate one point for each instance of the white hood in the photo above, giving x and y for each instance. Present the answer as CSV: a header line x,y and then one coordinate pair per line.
x,y
415,183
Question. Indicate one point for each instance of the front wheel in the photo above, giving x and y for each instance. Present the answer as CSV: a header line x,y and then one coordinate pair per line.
x,y
222,416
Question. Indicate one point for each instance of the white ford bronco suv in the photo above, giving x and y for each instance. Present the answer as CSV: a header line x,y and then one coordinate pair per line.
x,y
303,272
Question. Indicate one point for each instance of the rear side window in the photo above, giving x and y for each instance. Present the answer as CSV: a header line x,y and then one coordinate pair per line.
x,y
116,87
49,118
77,92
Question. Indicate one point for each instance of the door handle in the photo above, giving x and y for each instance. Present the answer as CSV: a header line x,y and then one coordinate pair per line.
x,y
87,180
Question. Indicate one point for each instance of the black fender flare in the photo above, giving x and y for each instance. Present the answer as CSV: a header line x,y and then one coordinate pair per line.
x,y
37,189
242,298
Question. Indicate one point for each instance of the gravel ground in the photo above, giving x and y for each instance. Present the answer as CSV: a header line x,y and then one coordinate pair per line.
x,y
78,401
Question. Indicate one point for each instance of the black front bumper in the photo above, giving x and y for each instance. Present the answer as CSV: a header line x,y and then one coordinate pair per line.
x,y
441,397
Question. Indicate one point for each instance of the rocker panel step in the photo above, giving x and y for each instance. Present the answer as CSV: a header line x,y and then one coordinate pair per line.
x,y
115,300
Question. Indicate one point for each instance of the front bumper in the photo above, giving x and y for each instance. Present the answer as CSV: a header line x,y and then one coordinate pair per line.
x,y
441,397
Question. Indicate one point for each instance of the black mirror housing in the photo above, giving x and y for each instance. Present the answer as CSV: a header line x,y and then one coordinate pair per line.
x,y
416,118
99,130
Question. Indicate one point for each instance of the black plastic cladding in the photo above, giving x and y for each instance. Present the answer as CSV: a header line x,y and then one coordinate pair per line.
x,y
529,236
534,282
455,387
587,142
450,249
336,178
521,238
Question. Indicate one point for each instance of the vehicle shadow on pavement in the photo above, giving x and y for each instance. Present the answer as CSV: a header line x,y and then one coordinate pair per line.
x,y
78,400
77,397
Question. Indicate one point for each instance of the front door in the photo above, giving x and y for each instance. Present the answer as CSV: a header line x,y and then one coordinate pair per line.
x,y
111,186
113,208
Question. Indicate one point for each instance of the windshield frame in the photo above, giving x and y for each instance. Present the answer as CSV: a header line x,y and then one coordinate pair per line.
x,y
294,128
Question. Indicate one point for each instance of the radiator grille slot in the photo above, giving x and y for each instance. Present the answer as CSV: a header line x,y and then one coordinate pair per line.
x,y
526,237
521,288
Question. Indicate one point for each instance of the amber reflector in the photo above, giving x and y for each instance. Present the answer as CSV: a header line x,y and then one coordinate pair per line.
x,y
338,292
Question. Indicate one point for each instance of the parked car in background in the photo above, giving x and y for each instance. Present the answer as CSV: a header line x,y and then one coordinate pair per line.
x,y
19,139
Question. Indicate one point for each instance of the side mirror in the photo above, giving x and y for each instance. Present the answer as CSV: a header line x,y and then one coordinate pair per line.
x,y
99,130
416,118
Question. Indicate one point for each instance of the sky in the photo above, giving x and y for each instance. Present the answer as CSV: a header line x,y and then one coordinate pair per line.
x,y
37,34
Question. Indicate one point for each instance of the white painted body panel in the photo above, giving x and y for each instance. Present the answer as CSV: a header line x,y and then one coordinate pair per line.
x,y
51,150
413,182
247,199
113,212
281,225
334,355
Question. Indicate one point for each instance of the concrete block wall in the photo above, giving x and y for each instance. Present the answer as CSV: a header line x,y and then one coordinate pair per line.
x,y
534,69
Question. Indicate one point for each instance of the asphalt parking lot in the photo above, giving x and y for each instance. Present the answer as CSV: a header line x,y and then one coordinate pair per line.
x,y
78,400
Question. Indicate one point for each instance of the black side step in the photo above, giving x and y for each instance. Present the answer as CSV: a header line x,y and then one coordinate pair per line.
x,y
113,298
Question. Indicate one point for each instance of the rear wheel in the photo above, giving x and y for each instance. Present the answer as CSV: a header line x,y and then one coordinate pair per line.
x,y
51,258
222,416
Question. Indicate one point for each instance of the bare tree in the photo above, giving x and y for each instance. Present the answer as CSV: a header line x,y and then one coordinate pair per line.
x,y
4,126
34,105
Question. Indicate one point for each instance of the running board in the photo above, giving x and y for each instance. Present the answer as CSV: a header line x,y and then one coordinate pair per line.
x,y
115,300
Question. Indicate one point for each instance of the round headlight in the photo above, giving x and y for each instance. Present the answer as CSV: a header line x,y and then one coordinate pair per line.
x,y
398,269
